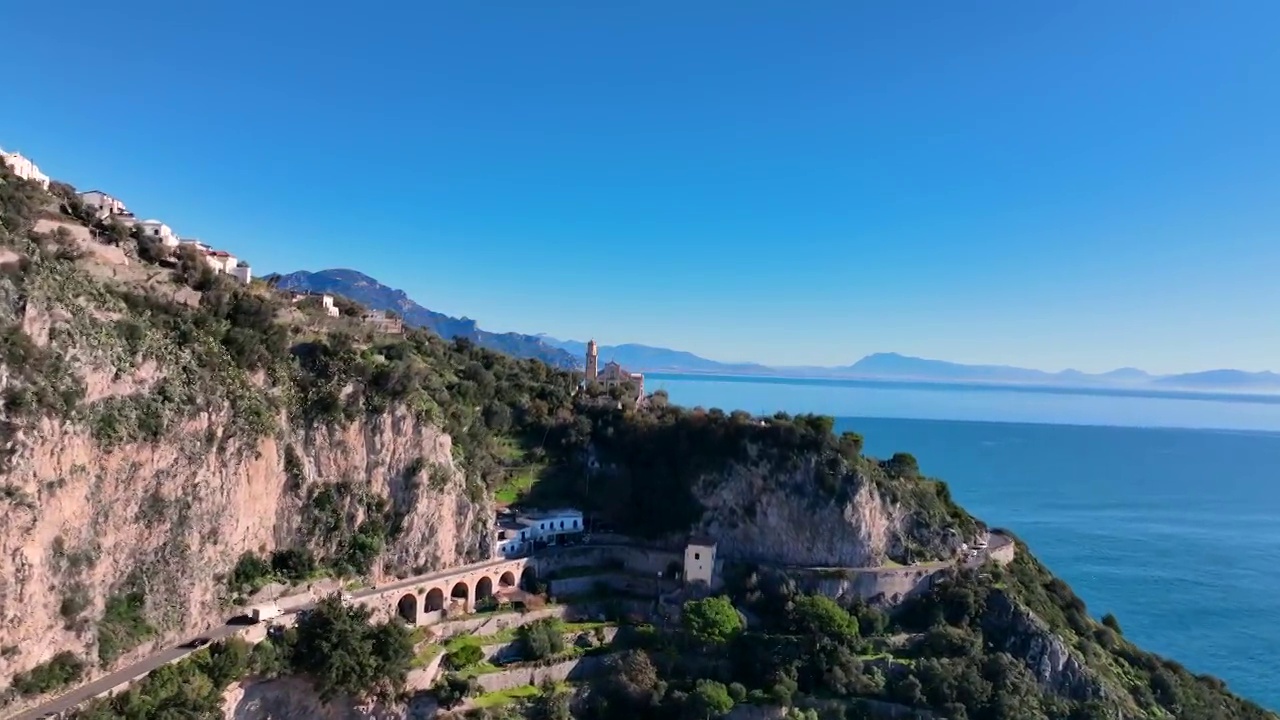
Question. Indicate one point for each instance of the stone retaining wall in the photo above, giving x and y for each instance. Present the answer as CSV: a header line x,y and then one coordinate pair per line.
x,y
574,670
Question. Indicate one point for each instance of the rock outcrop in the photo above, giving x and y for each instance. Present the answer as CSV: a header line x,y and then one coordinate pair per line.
x,y
1015,630
757,513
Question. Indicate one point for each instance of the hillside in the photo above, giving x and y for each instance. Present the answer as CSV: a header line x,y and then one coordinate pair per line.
x,y
373,294
177,442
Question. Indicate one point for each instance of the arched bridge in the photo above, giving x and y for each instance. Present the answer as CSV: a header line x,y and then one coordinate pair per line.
x,y
428,598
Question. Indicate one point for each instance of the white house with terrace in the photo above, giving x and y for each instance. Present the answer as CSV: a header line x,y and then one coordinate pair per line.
x,y
519,534
103,205
157,229
24,168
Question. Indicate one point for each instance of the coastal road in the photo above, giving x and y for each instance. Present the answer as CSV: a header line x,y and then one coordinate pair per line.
x,y
72,698
87,692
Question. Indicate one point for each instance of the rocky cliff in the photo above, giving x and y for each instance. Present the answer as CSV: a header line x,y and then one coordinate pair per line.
x,y
166,433
756,513
172,517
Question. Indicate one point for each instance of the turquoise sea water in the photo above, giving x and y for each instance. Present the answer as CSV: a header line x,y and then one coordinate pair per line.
x,y
1162,510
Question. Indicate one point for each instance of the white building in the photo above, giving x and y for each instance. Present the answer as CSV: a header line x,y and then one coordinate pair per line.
x,y
700,561
242,272
157,229
326,301
220,260
103,204
24,168
517,536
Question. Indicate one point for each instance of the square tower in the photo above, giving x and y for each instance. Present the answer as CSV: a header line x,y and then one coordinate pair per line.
x,y
700,561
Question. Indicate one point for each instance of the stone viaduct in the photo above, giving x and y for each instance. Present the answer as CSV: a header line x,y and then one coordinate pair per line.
x,y
429,598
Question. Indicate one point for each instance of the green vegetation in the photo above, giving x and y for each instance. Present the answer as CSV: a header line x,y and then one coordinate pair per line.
x,y
711,621
62,670
542,638
343,654
463,656
333,645
123,626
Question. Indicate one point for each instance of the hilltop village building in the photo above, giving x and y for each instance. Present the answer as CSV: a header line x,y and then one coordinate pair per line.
x,y
24,168
384,322
521,534
105,206
326,301
613,375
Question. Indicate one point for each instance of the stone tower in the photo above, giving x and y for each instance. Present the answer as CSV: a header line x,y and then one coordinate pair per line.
x,y
593,360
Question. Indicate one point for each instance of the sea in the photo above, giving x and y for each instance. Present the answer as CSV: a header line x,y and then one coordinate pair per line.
x,y
1161,508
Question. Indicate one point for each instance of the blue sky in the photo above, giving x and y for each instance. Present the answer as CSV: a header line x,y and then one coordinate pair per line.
x,y
1084,184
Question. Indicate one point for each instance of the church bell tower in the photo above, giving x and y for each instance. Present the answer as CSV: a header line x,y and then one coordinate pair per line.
x,y
593,359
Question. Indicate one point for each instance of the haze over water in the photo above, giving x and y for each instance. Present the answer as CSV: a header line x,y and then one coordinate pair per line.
x,y
1162,510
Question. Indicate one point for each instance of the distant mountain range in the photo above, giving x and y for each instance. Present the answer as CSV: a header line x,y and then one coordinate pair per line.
x,y
893,366
646,358
374,295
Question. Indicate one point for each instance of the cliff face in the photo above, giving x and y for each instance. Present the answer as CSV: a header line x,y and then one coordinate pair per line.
x,y
1015,630
757,513
172,517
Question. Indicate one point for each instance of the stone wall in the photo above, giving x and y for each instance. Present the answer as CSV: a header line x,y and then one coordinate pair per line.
x,y
573,670
641,560
490,624
882,586
618,581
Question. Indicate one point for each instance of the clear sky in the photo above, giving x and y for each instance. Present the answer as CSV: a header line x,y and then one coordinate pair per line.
x,y
1047,184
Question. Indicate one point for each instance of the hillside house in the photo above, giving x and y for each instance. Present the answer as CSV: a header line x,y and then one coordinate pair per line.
x,y
24,168
384,322
220,260
518,535
157,229
326,301
102,204
242,272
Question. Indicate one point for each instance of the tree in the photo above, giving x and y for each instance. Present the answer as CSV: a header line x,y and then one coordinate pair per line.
x,y
464,656
453,689
820,616
1110,621
710,699
542,638
711,621
902,465
344,654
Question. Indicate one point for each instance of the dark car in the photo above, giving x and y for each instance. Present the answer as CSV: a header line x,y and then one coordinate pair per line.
x,y
198,642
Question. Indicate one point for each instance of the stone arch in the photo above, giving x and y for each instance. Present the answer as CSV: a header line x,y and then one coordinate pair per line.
x,y
407,608
435,599
461,592
484,588
507,579
528,578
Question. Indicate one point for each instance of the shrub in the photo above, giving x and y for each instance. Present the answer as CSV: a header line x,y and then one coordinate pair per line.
x,y
62,670
542,638
464,657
